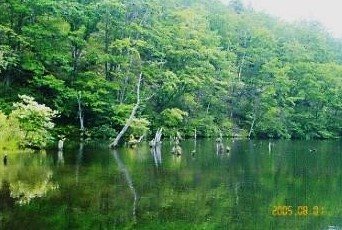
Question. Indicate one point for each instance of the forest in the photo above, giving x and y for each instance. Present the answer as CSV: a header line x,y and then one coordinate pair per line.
x,y
183,65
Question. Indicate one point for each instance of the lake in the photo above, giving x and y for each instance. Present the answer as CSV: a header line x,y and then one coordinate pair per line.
x,y
257,185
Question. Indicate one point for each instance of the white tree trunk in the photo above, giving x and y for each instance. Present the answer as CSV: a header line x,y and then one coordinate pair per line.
x,y
251,129
130,119
80,112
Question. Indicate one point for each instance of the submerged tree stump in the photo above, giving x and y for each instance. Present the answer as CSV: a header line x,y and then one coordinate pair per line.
x,y
157,138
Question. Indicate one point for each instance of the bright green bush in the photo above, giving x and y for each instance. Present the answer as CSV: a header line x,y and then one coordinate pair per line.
x,y
173,117
140,126
10,133
34,120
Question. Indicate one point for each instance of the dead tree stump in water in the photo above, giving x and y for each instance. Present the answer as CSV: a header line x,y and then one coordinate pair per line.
x,y
157,138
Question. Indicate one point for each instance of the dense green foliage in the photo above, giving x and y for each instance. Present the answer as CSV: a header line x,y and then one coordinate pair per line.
x,y
28,125
205,66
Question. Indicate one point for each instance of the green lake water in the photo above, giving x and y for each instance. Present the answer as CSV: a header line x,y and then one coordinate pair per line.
x,y
257,185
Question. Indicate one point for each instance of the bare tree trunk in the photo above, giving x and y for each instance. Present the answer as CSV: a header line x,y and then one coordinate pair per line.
x,y
107,43
243,57
125,82
7,81
251,129
75,55
123,90
80,112
241,65
208,107
157,139
130,119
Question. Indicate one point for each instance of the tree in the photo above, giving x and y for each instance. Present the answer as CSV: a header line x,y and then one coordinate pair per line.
x,y
222,65
35,120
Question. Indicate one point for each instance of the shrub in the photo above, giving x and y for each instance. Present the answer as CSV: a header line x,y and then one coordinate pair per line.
x,y
10,133
35,120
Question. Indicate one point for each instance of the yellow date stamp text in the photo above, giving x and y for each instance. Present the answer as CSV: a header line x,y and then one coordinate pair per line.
x,y
300,210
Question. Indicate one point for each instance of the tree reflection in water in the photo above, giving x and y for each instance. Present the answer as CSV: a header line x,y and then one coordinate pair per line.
x,y
79,160
129,181
25,178
156,152
60,160
6,201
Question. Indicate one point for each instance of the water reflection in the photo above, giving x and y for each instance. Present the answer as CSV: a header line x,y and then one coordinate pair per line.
x,y
156,152
60,157
129,181
331,227
27,176
143,189
24,191
270,147
6,201
5,159
236,190
177,159
79,160
222,150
